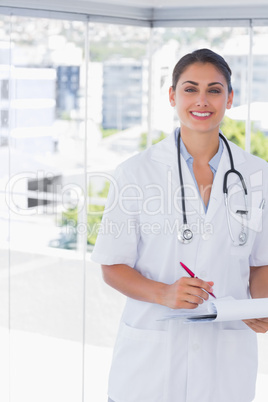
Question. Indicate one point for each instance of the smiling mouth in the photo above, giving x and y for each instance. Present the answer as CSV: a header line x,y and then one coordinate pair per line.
x,y
200,114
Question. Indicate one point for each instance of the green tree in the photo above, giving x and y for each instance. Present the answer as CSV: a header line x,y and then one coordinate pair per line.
x,y
235,132
143,140
94,215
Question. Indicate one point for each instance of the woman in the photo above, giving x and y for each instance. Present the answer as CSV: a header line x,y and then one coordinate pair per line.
x,y
156,360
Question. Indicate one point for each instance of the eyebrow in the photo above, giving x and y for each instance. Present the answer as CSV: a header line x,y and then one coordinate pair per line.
x,y
196,83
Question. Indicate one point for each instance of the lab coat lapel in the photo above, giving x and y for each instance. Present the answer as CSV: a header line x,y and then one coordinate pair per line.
x,y
193,199
166,152
216,197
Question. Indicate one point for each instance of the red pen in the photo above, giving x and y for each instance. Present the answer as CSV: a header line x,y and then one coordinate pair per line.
x,y
193,275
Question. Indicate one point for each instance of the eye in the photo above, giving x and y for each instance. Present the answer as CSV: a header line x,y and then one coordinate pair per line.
x,y
189,90
215,91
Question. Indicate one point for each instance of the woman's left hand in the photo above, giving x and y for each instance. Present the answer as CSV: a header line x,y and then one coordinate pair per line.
x,y
259,325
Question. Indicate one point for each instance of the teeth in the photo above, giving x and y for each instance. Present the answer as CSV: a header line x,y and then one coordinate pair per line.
x,y
201,114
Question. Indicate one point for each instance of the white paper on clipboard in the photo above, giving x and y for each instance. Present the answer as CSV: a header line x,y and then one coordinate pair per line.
x,y
224,309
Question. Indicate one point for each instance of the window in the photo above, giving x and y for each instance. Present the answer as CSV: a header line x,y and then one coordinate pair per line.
x,y
71,112
4,89
4,118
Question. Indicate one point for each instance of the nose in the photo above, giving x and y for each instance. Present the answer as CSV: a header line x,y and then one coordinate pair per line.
x,y
202,100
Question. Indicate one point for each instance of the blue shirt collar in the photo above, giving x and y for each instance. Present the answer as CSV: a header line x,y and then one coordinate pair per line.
x,y
214,161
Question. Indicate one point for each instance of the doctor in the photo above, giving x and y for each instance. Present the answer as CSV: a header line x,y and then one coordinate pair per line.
x,y
170,361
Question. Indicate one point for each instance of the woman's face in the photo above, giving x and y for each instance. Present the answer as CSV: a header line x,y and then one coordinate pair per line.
x,y
201,98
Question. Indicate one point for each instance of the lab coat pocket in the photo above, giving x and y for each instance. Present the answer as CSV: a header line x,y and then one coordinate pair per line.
x,y
138,367
255,219
236,365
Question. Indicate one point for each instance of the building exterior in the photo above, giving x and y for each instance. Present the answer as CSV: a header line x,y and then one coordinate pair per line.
x,y
27,106
122,94
27,112
236,53
68,78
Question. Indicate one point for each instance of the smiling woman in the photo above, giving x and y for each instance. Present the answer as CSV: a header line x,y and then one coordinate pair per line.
x,y
201,105
203,100
151,361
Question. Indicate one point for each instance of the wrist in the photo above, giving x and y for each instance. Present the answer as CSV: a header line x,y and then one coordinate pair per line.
x,y
161,294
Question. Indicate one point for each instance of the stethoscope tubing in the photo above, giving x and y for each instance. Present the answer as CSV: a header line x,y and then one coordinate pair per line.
x,y
184,217
232,170
185,230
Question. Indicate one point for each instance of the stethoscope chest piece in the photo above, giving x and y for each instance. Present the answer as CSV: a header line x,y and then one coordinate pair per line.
x,y
242,238
185,235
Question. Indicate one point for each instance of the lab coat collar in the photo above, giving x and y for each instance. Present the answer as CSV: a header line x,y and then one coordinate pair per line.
x,y
237,152
166,152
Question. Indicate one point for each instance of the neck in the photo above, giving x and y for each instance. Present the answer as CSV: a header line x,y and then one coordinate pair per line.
x,y
201,146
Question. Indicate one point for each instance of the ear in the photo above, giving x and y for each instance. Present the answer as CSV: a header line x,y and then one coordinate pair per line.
x,y
172,96
230,100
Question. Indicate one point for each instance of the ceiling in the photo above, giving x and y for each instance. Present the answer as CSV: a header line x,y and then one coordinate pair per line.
x,y
182,3
138,3
151,12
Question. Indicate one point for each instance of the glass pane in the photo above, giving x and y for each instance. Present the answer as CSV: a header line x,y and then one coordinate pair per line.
x,y
259,95
5,70
117,113
45,97
170,44
46,142
233,44
259,146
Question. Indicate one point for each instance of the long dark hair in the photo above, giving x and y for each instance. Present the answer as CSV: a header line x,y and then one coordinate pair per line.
x,y
202,56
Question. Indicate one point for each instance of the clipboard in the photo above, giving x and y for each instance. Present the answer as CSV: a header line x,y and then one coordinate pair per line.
x,y
223,309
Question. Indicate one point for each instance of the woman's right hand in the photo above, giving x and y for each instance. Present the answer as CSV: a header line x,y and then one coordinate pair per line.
x,y
186,293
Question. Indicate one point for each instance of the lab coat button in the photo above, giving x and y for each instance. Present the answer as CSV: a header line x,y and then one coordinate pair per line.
x,y
203,274
206,236
195,347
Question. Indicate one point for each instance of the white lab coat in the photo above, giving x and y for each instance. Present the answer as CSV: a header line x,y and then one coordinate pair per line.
x,y
170,361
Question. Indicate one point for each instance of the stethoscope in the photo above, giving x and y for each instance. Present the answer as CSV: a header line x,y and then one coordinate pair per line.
x,y
185,234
